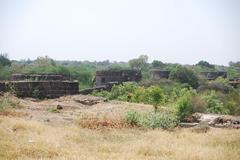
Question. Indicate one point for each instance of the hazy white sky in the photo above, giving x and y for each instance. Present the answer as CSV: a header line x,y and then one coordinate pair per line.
x,y
183,31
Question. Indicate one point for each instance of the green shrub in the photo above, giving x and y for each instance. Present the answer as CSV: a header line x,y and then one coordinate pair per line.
x,y
160,120
132,117
104,94
156,96
152,120
184,108
53,110
121,92
214,104
7,102
140,95
184,75
198,104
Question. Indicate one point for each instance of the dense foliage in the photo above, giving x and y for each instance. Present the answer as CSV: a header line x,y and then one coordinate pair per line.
x,y
182,100
184,75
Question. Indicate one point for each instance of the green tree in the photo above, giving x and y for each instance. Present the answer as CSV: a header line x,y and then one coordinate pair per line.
x,y
205,64
139,63
4,61
45,61
157,64
184,75
156,96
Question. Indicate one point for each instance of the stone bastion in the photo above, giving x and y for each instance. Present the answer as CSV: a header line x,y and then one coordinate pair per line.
x,y
40,85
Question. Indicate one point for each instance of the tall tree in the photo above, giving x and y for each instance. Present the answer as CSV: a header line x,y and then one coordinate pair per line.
x,y
205,64
139,63
4,60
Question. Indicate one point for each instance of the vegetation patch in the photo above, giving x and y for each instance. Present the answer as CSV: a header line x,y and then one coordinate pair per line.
x,y
53,110
163,120
7,101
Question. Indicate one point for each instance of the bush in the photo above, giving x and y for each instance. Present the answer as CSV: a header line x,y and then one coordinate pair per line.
x,y
156,96
164,120
122,92
132,117
4,61
214,104
160,120
232,103
6,101
198,104
221,86
184,107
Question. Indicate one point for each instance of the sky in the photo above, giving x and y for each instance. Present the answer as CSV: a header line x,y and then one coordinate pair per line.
x,y
175,31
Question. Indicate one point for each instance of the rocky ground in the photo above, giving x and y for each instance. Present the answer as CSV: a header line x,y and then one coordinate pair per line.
x,y
67,109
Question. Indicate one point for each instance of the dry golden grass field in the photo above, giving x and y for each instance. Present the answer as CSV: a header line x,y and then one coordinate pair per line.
x,y
35,131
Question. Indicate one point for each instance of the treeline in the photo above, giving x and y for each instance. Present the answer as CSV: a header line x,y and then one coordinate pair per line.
x,y
84,71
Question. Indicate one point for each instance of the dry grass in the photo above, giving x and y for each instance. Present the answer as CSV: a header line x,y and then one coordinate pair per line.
x,y
12,113
102,123
21,139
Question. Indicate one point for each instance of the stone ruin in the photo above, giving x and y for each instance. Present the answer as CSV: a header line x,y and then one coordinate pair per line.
x,y
40,77
40,85
157,74
2,86
213,75
106,77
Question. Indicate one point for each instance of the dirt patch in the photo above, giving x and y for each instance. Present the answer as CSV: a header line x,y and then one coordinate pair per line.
x,y
74,108
11,113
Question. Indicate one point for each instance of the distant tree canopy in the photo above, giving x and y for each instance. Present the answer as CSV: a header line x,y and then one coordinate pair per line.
x,y
234,64
45,61
234,69
84,71
184,75
205,64
139,63
157,64
4,61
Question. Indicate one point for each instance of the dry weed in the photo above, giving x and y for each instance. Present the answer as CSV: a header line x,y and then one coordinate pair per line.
x,y
100,123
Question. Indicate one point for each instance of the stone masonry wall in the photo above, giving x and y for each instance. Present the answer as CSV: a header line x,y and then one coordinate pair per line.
x,y
44,89
104,77
40,77
2,86
157,74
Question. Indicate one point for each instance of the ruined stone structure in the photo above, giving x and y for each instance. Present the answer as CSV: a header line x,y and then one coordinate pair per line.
x,y
40,77
42,85
213,75
2,86
106,77
157,74
235,82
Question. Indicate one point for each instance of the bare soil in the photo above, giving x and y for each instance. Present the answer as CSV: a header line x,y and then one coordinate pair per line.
x,y
74,108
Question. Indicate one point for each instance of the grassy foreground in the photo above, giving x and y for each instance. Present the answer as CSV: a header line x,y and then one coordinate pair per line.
x,y
25,139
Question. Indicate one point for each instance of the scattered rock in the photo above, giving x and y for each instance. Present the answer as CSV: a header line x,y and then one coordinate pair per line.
x,y
202,127
47,120
68,118
187,125
226,122
59,107
89,100
31,141
214,120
